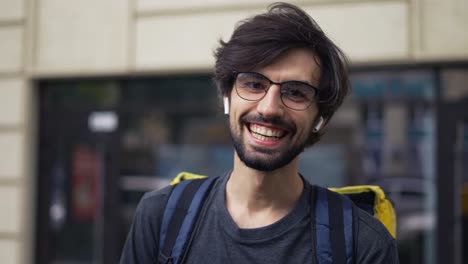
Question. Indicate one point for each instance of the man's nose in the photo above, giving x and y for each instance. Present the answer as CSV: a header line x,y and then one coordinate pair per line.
x,y
271,104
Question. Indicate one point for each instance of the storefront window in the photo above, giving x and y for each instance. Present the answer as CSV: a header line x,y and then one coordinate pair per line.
x,y
165,125
398,143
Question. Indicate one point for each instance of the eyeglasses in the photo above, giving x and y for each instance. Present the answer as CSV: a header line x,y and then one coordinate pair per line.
x,y
253,86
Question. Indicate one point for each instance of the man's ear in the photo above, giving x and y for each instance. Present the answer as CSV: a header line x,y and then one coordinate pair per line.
x,y
226,105
319,125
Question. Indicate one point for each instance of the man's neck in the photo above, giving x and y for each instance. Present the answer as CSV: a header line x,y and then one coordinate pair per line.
x,y
257,198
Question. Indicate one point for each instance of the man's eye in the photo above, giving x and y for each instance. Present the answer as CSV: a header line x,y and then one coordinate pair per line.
x,y
294,92
254,85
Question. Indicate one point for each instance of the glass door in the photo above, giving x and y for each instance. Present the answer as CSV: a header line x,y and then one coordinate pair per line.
x,y
77,187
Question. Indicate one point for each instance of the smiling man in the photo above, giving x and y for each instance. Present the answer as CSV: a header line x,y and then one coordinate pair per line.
x,y
281,80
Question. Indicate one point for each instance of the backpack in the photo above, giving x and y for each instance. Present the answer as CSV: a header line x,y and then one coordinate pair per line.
x,y
334,235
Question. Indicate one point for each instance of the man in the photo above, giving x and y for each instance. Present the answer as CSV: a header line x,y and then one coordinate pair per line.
x,y
281,80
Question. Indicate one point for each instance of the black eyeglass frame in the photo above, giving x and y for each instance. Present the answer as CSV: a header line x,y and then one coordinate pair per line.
x,y
313,88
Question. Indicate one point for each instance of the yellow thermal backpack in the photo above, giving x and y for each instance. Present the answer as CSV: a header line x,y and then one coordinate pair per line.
x,y
367,197
333,217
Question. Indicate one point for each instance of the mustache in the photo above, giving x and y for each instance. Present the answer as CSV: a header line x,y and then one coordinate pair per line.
x,y
274,121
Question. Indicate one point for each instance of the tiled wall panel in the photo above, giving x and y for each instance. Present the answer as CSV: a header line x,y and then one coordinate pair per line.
x,y
12,101
188,42
11,48
11,9
441,28
11,155
10,206
82,36
9,251
368,31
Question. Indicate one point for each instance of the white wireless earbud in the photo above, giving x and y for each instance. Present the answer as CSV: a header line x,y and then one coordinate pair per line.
x,y
319,124
226,105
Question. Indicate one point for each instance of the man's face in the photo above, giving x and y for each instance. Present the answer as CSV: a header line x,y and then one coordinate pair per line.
x,y
267,135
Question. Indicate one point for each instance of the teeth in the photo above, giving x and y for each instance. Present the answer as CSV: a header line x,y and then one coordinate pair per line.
x,y
265,131
264,138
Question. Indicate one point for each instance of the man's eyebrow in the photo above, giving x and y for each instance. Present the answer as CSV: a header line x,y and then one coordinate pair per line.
x,y
308,82
302,81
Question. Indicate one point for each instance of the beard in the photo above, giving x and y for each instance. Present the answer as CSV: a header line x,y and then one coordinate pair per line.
x,y
268,160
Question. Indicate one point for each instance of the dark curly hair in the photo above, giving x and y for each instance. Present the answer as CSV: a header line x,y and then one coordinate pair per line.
x,y
258,41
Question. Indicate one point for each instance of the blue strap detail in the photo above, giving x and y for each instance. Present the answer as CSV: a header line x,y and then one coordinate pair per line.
x,y
169,211
322,228
348,228
190,218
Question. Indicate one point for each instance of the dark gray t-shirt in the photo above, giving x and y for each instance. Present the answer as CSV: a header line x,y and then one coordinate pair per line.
x,y
220,240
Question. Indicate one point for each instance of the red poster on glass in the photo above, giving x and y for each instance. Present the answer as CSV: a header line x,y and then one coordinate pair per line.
x,y
86,169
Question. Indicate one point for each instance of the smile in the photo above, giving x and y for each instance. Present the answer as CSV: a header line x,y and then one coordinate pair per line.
x,y
264,133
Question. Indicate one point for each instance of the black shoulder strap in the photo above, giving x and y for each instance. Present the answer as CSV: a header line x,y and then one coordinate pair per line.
x,y
333,227
181,212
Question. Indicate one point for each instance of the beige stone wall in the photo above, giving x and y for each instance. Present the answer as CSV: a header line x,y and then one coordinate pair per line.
x,y
370,31
56,38
15,178
440,29
84,37
122,36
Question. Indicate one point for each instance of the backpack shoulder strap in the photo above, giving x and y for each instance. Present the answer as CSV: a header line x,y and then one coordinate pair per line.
x,y
372,199
181,212
334,227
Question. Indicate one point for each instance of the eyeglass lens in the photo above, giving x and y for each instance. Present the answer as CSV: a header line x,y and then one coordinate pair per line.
x,y
294,94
